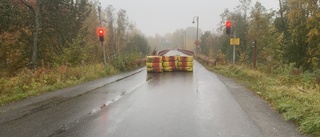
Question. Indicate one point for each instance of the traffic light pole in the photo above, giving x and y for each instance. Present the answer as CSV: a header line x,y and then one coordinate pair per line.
x,y
255,55
234,51
103,48
104,54
229,25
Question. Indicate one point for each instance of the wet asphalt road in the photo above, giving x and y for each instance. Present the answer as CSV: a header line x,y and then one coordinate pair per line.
x,y
141,104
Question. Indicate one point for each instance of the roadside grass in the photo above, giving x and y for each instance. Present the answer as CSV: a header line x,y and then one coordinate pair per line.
x,y
295,95
27,83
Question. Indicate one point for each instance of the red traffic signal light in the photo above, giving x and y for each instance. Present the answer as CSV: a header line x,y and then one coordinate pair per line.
x,y
101,34
228,27
228,24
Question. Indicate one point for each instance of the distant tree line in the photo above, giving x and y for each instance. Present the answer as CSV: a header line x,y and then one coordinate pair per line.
x,y
34,33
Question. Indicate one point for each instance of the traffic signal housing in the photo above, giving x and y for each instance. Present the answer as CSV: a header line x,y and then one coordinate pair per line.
x,y
101,34
228,27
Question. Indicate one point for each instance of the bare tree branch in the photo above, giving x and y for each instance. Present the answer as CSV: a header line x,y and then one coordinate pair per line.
x,y
28,5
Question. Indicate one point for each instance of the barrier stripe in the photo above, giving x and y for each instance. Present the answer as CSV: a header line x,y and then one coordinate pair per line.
x,y
189,69
185,58
156,69
170,69
185,64
170,64
153,59
153,65
169,58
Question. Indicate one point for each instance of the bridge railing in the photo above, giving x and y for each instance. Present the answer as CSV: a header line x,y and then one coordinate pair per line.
x,y
200,57
162,52
188,52
206,60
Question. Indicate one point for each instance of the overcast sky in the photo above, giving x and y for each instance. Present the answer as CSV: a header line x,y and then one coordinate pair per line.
x,y
166,16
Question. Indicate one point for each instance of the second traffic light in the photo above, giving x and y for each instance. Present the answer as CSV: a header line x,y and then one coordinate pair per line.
x,y
228,27
101,34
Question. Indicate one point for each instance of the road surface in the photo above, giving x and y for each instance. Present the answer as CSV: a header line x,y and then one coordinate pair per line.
x,y
141,104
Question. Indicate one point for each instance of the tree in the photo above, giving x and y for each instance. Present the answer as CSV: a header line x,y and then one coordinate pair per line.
x,y
35,29
303,20
91,36
122,25
62,23
178,38
138,44
260,30
111,33
207,42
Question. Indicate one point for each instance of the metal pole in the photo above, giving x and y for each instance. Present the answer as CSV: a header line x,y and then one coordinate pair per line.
x,y
234,51
104,54
255,55
197,32
185,40
234,55
103,48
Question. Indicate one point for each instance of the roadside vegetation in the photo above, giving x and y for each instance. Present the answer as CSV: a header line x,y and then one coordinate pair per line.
x,y
49,45
292,93
28,83
287,55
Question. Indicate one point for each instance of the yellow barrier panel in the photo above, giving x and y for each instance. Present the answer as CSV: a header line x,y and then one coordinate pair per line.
x,y
169,58
170,69
189,69
185,58
158,70
153,59
153,65
169,64
185,64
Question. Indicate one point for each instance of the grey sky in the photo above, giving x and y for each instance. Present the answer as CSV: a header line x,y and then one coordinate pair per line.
x,y
166,16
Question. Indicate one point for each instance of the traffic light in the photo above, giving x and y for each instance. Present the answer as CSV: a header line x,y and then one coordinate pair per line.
x,y
228,27
101,34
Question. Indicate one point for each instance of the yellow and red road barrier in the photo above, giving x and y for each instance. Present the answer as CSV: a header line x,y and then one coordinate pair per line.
x,y
154,64
185,63
170,69
169,63
188,69
185,58
153,59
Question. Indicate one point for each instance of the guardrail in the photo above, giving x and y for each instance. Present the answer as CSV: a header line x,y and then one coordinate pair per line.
x,y
205,59
138,62
162,52
188,52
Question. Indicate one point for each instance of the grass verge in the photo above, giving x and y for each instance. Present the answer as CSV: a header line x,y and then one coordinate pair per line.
x,y
296,97
27,83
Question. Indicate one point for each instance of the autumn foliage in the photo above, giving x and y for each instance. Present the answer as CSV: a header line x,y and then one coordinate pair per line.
x,y
50,44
